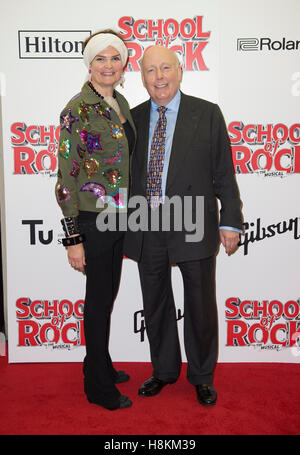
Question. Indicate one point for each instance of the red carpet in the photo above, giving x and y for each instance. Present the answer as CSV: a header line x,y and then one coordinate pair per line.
x,y
47,399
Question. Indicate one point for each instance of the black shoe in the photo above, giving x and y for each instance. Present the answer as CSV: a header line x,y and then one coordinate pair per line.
x,y
206,394
124,402
121,377
152,387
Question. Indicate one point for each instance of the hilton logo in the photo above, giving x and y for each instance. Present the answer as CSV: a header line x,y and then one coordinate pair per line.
x,y
51,43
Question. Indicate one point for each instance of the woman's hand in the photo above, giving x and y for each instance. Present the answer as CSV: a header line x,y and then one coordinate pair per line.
x,y
76,257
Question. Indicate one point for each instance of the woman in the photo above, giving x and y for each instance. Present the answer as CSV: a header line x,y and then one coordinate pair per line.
x,y
97,133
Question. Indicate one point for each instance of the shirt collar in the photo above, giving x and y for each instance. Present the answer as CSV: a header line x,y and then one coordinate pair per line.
x,y
173,105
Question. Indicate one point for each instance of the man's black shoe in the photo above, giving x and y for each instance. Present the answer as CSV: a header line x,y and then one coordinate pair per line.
x,y
206,394
152,387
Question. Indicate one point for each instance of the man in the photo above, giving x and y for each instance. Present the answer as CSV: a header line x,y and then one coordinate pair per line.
x,y
182,150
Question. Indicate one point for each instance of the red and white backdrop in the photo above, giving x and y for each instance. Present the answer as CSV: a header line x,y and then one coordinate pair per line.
x,y
243,56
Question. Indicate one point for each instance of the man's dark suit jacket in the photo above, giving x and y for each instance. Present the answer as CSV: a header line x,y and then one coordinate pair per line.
x,y
200,165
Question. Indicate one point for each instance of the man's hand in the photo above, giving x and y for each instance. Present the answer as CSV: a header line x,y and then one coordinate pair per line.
x,y
230,240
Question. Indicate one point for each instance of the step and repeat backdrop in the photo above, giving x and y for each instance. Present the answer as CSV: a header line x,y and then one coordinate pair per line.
x,y
243,56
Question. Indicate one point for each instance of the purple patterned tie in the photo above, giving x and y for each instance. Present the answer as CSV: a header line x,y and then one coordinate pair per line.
x,y
156,161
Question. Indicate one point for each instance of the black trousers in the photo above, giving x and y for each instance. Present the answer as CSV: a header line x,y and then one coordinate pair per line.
x,y
104,253
200,312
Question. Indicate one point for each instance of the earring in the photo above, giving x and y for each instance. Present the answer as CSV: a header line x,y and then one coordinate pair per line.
x,y
122,80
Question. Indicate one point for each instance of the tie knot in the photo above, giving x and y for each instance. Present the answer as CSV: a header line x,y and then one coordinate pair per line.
x,y
162,110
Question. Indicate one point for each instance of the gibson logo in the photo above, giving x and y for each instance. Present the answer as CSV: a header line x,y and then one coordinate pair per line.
x,y
51,43
139,322
255,232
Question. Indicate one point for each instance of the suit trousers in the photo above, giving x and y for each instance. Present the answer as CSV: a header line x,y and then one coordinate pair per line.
x,y
104,254
200,312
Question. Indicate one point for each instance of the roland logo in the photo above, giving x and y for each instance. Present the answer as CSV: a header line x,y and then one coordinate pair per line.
x,y
51,43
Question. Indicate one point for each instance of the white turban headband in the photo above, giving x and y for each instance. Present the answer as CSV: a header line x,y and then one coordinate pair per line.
x,y
100,42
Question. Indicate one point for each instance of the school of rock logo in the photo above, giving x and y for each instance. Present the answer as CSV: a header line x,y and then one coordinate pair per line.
x,y
185,37
264,324
57,324
268,150
35,148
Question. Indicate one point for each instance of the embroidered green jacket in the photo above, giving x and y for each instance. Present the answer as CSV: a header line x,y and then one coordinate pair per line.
x,y
93,156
